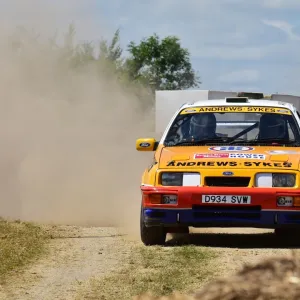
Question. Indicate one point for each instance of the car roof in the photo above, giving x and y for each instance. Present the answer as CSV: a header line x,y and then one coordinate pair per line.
x,y
250,102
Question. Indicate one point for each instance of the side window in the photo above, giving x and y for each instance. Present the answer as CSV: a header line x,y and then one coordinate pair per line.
x,y
296,127
291,131
179,129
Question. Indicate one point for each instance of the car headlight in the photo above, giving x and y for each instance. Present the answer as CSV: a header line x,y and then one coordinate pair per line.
x,y
171,179
283,180
180,179
275,180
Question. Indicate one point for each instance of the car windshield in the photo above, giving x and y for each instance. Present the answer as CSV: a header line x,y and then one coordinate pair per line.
x,y
234,125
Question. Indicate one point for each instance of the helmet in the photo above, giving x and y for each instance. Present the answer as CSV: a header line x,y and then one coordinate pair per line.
x,y
202,125
272,126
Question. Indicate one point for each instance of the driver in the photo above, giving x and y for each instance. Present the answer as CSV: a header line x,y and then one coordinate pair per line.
x,y
203,126
272,126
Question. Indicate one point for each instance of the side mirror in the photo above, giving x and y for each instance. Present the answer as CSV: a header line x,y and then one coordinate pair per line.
x,y
146,144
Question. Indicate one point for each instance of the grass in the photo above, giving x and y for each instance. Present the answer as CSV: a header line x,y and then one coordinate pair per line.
x,y
157,270
20,244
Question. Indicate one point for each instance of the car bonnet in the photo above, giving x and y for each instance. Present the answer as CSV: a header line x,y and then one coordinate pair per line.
x,y
233,156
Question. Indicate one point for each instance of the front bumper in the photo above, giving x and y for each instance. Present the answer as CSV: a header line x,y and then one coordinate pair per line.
x,y
263,211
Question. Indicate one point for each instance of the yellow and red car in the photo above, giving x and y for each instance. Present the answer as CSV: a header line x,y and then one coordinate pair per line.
x,y
246,174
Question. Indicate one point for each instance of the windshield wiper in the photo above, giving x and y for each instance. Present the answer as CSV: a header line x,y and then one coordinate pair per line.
x,y
264,141
202,141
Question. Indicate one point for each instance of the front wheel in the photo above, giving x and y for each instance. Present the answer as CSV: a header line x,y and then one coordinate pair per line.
x,y
286,232
154,235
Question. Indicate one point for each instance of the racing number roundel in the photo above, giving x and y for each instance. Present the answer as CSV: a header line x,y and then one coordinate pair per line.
x,y
231,148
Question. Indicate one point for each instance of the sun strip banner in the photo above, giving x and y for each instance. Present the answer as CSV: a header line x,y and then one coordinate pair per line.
x,y
237,109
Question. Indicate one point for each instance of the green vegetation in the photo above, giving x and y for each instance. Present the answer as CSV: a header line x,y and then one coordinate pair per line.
x,y
159,270
164,64
153,64
20,244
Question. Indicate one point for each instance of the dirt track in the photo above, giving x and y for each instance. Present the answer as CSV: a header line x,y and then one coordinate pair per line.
x,y
76,256
82,253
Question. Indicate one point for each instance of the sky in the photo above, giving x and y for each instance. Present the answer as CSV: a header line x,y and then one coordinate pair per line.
x,y
234,44
239,45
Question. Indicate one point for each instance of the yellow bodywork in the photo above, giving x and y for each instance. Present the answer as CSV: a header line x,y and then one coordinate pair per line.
x,y
182,158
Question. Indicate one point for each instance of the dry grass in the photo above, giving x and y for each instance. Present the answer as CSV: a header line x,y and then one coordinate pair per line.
x,y
159,270
272,279
20,244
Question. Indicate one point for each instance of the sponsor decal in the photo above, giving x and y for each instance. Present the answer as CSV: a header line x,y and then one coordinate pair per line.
x,y
230,155
202,164
282,152
247,156
231,148
228,173
229,164
190,110
238,109
211,155
144,145
268,164
284,111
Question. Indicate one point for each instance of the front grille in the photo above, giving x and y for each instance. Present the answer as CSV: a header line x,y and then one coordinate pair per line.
x,y
232,207
228,211
227,181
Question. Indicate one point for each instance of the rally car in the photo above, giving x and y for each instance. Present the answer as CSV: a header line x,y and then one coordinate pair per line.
x,y
232,162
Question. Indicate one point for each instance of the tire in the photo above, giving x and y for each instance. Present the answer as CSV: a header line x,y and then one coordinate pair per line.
x,y
151,236
285,232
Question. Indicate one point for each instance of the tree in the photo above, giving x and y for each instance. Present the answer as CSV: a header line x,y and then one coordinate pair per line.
x,y
112,51
163,64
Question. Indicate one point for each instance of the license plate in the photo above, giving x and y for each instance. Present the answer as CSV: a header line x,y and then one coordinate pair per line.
x,y
228,199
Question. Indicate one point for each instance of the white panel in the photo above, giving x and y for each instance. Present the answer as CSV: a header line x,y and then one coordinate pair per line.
x,y
215,95
191,179
264,180
295,100
168,102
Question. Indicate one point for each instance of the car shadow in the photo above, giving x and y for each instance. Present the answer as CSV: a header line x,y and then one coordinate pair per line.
x,y
234,240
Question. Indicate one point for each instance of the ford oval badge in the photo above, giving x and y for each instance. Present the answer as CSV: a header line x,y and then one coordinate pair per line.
x,y
228,173
144,145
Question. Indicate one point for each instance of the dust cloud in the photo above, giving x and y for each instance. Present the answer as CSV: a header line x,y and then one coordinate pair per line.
x,y
67,152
